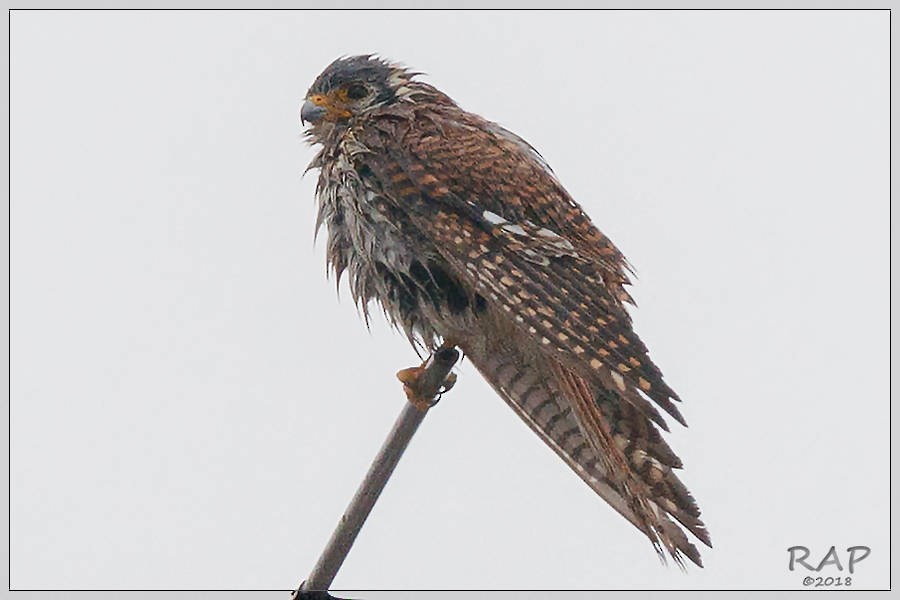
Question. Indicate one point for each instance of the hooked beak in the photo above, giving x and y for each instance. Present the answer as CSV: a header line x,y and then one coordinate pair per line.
x,y
310,112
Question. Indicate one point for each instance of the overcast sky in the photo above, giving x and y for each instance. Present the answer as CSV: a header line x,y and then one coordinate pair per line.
x,y
193,406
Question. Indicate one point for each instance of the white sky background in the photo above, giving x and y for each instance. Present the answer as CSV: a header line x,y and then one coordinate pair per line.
x,y
192,407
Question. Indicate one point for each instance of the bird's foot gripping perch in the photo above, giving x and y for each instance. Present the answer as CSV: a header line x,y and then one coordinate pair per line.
x,y
425,384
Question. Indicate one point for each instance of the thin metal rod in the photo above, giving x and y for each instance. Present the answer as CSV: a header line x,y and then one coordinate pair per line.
x,y
427,385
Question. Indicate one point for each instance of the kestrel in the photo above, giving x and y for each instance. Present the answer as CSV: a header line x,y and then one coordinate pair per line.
x,y
462,233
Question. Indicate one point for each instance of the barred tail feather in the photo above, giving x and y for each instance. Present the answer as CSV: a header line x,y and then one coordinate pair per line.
x,y
547,399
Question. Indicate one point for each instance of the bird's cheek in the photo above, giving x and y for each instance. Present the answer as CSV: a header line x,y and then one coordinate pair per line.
x,y
336,113
334,105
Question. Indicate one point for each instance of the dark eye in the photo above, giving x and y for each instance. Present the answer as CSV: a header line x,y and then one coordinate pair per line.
x,y
357,91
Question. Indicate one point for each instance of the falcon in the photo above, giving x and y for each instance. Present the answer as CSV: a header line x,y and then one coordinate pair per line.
x,y
462,233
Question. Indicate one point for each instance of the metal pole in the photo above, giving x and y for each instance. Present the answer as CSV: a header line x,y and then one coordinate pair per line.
x,y
428,383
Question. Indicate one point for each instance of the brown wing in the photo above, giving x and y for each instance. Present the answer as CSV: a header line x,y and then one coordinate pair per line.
x,y
448,172
503,223
471,158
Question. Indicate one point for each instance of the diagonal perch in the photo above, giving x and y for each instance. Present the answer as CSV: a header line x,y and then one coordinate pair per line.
x,y
422,385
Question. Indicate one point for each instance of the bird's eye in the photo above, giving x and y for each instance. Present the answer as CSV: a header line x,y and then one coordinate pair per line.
x,y
357,91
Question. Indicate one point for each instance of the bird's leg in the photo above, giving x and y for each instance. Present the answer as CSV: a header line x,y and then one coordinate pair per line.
x,y
425,394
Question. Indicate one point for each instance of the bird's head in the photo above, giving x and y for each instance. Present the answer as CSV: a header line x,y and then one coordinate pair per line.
x,y
350,87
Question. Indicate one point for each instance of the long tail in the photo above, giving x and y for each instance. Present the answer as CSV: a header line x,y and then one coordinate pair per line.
x,y
609,442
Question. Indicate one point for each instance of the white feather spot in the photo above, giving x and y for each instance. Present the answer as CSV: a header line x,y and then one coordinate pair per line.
x,y
620,381
493,218
514,229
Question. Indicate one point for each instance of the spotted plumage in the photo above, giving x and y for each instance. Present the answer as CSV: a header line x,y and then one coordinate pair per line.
x,y
462,233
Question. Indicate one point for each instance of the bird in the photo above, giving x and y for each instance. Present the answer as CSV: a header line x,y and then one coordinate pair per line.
x,y
462,233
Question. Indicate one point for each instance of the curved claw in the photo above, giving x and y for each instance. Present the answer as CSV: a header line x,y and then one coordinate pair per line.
x,y
448,383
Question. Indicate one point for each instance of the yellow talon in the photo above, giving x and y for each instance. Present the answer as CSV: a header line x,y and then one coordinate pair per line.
x,y
409,376
410,379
